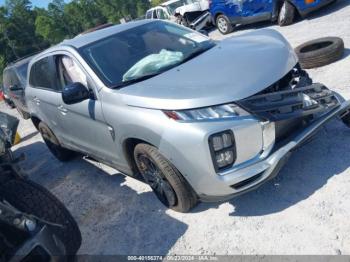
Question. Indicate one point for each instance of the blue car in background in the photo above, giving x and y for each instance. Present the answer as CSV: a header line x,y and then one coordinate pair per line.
x,y
228,13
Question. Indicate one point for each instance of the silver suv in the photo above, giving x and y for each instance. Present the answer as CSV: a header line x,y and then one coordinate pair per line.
x,y
193,118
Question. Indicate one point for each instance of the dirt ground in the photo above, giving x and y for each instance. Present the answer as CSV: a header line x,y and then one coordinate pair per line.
x,y
304,210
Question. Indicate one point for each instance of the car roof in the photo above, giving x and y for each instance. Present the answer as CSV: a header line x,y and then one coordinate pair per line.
x,y
20,62
86,39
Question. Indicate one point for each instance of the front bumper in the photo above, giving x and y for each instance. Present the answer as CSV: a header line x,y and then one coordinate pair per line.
x,y
252,175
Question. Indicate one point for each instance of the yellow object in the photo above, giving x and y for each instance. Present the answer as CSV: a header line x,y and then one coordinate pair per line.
x,y
17,139
309,1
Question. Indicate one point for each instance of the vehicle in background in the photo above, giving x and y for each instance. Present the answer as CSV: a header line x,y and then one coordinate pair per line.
x,y
6,97
189,13
2,96
227,14
176,110
14,81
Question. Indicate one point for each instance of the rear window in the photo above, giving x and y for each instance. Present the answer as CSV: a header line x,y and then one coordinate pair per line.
x,y
43,75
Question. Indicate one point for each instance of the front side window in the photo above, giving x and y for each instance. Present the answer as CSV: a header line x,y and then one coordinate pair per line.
x,y
143,52
43,75
155,15
70,72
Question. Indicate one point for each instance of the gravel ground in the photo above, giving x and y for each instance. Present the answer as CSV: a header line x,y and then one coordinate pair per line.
x,y
304,210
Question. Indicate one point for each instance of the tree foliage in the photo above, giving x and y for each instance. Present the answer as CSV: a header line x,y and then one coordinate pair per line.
x,y
25,29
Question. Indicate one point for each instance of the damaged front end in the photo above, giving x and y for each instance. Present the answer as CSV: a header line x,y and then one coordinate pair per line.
x,y
292,103
290,112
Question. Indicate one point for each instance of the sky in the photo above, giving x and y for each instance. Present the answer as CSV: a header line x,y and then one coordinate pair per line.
x,y
38,3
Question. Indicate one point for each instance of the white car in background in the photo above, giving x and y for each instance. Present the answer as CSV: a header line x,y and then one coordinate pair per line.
x,y
189,13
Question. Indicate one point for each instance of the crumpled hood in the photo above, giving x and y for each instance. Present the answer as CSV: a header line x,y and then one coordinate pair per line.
x,y
236,68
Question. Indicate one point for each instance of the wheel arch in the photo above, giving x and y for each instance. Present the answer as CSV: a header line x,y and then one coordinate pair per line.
x,y
279,4
129,145
216,16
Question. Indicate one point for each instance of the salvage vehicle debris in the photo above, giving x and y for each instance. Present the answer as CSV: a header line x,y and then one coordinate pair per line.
x,y
212,122
227,14
320,52
190,13
34,224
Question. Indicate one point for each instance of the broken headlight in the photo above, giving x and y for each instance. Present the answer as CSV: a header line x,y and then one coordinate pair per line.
x,y
226,111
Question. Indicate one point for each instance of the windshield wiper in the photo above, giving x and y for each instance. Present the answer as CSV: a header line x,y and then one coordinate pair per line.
x,y
135,80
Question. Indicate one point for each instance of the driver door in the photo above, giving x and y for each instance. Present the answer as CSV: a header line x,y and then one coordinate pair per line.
x,y
83,124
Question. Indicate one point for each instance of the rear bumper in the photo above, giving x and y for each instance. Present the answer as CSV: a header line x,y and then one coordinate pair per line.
x,y
256,174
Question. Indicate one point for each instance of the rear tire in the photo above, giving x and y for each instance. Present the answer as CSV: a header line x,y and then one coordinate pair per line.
x,y
224,24
31,198
165,180
61,153
286,14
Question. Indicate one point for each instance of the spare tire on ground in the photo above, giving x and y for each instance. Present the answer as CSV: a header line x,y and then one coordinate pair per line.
x,y
320,52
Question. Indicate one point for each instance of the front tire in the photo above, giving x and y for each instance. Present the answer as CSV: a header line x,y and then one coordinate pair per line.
x,y
224,24
165,180
61,153
286,14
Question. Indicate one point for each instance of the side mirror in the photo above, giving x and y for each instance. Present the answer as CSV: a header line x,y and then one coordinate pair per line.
x,y
75,93
15,88
203,32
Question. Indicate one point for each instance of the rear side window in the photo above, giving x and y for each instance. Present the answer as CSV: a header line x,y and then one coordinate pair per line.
x,y
10,79
43,75
22,73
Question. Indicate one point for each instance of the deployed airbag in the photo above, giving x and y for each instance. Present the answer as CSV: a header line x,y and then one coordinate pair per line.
x,y
153,63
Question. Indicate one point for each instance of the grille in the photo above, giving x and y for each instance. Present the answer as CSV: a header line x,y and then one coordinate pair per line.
x,y
294,96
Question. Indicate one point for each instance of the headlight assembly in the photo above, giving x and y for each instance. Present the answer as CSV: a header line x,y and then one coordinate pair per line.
x,y
227,111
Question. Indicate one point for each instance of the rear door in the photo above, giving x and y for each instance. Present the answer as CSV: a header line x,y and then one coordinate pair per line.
x,y
240,8
256,7
42,93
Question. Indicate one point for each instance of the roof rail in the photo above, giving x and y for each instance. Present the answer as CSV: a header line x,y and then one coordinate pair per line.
x,y
23,57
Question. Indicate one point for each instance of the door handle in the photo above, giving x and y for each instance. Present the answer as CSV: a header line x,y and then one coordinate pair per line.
x,y
36,100
63,110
